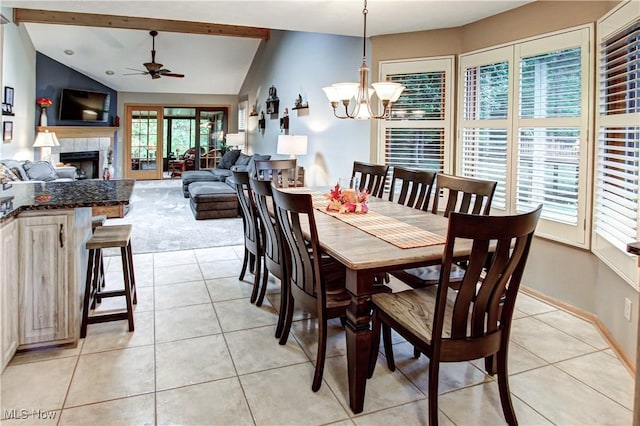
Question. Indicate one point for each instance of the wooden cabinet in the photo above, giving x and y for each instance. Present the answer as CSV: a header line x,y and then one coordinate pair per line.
x,y
45,285
9,285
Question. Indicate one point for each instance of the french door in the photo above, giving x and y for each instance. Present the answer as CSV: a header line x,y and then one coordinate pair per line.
x,y
143,141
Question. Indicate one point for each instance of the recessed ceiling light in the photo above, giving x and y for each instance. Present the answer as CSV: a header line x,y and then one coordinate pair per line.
x,y
109,72
69,52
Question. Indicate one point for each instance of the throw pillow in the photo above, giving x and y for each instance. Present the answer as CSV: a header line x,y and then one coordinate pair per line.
x,y
16,168
228,159
251,167
40,170
243,160
6,174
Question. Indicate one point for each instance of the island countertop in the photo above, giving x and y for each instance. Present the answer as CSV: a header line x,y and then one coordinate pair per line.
x,y
64,195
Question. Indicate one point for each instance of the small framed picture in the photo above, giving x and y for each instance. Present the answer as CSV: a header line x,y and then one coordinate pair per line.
x,y
8,95
7,131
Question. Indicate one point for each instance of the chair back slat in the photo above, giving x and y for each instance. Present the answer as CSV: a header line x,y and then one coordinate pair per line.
x,y
293,211
273,249
282,172
372,177
483,304
466,195
249,213
415,187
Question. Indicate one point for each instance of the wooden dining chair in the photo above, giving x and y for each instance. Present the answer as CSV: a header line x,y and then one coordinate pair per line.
x,y
316,282
465,195
253,251
273,246
370,176
415,187
282,172
472,321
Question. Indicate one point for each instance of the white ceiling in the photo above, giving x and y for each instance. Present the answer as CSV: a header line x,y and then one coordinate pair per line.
x,y
218,65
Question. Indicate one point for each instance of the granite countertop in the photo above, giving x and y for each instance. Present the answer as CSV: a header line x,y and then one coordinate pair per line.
x,y
64,195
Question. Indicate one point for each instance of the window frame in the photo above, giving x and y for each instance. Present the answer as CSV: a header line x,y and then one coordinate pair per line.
x,y
623,263
575,235
420,65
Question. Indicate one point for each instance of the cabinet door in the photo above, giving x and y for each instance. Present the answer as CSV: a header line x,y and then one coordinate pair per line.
x,y
9,284
44,305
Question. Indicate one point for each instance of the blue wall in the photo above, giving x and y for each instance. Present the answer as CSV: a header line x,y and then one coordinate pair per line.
x,y
52,77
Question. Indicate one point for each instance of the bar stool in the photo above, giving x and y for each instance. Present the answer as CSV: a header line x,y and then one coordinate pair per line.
x,y
95,222
108,237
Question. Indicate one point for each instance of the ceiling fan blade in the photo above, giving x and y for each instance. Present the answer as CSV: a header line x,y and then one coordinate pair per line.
x,y
172,74
135,69
137,73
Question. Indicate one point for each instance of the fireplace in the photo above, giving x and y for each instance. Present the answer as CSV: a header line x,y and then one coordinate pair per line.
x,y
85,162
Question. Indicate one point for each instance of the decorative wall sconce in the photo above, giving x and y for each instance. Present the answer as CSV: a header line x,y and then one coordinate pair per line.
x,y
284,121
254,111
299,104
261,121
272,101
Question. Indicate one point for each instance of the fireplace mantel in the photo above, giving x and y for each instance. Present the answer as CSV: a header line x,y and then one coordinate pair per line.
x,y
80,131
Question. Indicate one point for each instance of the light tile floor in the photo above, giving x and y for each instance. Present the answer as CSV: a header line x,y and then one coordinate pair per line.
x,y
202,354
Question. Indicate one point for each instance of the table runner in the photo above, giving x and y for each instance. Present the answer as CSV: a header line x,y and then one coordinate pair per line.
x,y
386,228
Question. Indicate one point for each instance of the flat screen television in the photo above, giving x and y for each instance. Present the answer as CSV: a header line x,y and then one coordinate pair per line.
x,y
83,105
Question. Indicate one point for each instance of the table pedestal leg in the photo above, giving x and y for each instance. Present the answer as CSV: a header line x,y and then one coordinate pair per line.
x,y
358,341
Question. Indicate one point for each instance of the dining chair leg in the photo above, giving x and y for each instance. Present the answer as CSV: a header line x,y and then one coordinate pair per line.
x,y
252,263
257,267
434,371
503,388
283,309
416,352
320,356
388,347
245,260
375,343
263,286
490,364
288,319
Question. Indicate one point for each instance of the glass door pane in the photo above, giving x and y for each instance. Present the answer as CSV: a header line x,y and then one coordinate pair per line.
x,y
144,143
212,130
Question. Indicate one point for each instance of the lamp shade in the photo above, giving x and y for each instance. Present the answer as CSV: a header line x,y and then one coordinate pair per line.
x,y
292,144
46,139
235,139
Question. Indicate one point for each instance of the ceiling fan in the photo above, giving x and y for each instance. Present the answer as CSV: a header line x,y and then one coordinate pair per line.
x,y
155,69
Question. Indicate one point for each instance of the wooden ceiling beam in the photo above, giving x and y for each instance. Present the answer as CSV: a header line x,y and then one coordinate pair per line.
x,y
134,23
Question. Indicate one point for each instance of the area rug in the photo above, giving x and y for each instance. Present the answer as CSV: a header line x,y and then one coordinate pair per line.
x,y
162,221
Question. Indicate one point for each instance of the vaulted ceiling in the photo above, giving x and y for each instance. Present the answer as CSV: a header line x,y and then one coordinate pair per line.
x,y
218,64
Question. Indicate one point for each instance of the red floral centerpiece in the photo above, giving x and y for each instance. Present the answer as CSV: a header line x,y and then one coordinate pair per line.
x,y
347,200
44,103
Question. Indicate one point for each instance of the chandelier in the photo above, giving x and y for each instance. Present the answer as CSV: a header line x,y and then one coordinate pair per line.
x,y
387,92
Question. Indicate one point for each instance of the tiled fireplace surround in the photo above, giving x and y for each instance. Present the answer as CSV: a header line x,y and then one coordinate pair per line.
x,y
83,139
100,144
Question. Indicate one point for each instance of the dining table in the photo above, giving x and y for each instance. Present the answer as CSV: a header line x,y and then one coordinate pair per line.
x,y
388,237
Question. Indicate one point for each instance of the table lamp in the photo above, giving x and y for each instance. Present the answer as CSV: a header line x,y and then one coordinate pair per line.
x,y
46,140
292,145
235,140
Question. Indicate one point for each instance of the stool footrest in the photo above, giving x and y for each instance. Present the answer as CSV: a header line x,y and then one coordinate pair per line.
x,y
108,317
111,293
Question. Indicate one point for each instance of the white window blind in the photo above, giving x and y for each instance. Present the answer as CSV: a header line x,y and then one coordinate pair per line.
x,y
524,122
418,133
484,136
549,157
617,171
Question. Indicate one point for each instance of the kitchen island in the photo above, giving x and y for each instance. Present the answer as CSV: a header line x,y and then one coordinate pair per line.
x,y
43,259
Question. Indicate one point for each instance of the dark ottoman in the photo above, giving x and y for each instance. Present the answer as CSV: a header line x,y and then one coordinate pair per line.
x,y
191,176
212,200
